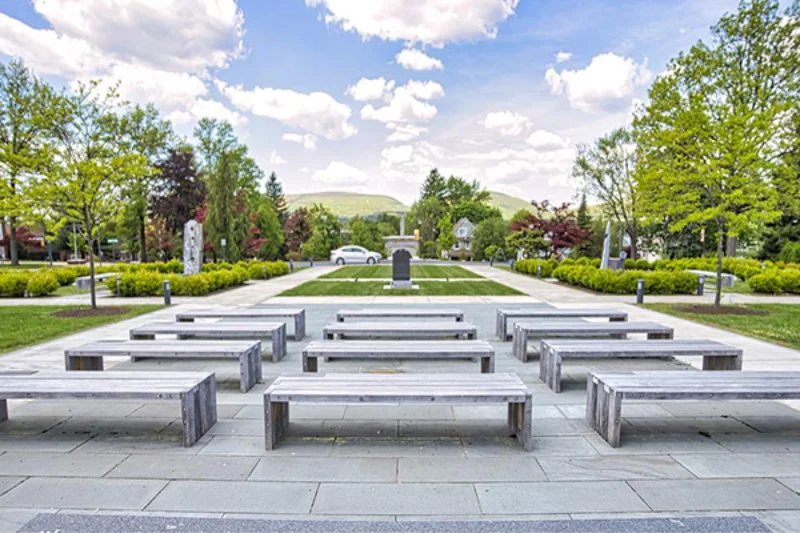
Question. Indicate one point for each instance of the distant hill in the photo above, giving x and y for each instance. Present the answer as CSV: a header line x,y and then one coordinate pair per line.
x,y
347,204
508,205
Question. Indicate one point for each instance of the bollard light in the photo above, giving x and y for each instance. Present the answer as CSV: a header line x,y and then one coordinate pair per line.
x,y
640,291
701,285
119,288
291,266
539,271
167,293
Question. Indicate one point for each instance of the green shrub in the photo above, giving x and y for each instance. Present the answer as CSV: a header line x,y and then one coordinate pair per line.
x,y
42,283
624,282
776,281
13,284
65,276
531,266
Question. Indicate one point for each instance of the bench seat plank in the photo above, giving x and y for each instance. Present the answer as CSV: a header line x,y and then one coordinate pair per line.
x,y
252,313
248,353
548,311
606,391
716,355
276,331
405,330
400,312
398,350
195,390
523,331
399,388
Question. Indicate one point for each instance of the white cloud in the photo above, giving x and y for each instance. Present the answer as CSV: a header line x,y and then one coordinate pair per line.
x,y
606,84
507,123
204,108
370,89
402,109
414,59
338,173
275,158
410,163
424,90
433,22
317,112
396,155
404,132
563,56
546,141
308,140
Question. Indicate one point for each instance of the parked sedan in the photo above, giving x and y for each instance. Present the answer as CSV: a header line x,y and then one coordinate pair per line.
x,y
354,255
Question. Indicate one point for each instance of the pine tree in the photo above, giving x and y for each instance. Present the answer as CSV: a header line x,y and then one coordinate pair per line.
x,y
434,186
584,221
275,195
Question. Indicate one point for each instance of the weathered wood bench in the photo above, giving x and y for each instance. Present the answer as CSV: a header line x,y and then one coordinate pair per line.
x,y
399,330
547,329
504,315
297,314
399,389
197,392
85,282
402,312
90,356
276,331
716,355
605,391
420,350
728,280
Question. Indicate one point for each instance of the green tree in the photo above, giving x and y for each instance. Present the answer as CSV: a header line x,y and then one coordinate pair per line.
x,y
276,196
447,235
433,186
297,230
367,233
89,166
474,211
584,221
786,230
459,190
490,232
607,171
712,132
270,231
26,115
426,214
326,233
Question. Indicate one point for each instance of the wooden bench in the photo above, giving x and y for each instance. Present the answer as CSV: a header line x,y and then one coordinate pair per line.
x,y
298,315
276,331
399,330
85,282
421,350
197,392
716,355
605,391
577,329
504,315
90,356
403,312
399,389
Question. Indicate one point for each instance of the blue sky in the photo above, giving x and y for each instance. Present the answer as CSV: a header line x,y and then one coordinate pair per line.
x,y
367,96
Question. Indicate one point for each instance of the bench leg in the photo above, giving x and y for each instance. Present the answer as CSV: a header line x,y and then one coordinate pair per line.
x,y
249,369
601,411
519,345
499,326
722,362
3,410
618,319
300,326
309,363
591,401
614,417
83,363
520,422
199,411
339,318
276,422
487,365
459,318
185,319
279,344
655,336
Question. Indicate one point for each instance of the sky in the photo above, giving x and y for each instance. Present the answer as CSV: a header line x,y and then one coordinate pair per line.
x,y
369,95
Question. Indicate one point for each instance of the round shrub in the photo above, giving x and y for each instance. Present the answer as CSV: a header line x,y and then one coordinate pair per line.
x,y
14,284
42,283
65,276
767,283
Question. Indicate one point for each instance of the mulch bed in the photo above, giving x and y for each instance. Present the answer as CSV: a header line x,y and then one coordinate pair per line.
x,y
88,311
723,310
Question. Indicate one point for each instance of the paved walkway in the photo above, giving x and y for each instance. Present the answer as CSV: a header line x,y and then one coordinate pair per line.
x,y
397,463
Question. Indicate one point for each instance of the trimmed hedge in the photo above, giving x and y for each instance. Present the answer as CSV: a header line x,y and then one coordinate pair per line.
x,y
531,266
776,281
18,284
619,282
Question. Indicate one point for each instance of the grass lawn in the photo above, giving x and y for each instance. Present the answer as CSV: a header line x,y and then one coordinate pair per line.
x,y
25,325
778,323
426,288
739,287
417,272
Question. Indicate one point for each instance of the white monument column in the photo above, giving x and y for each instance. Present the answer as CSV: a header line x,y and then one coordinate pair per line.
x,y
192,248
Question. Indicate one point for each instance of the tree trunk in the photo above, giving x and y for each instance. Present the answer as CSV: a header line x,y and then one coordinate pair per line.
x,y
91,273
634,235
720,253
12,241
142,239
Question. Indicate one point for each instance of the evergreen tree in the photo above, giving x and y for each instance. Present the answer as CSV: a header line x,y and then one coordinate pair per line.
x,y
434,186
275,195
584,221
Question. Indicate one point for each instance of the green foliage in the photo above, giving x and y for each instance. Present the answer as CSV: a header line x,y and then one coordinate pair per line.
x,y
790,252
367,233
776,281
269,240
42,283
584,221
326,233
531,242
475,212
624,282
447,236
64,276
14,283
426,214
490,233
531,266
276,197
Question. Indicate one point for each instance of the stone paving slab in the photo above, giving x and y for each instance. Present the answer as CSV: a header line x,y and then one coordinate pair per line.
x,y
255,446
792,483
168,444
41,443
391,499
71,523
235,496
9,482
58,464
442,428
184,467
332,469
72,493
299,412
760,442
780,521
395,412
542,447
337,428
656,445
716,494
447,470
742,465
611,468
558,497
347,447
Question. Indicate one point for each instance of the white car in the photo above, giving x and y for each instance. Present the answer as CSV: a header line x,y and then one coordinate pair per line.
x,y
354,255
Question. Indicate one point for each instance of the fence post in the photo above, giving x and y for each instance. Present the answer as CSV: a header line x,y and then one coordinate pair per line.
x,y
167,293
701,285
640,291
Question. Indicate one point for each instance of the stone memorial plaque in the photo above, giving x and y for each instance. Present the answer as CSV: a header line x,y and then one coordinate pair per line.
x,y
401,269
192,248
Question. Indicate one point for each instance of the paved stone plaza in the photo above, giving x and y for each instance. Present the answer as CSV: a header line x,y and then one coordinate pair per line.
x,y
710,460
